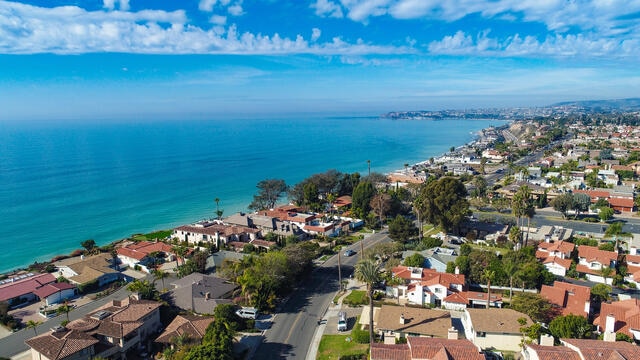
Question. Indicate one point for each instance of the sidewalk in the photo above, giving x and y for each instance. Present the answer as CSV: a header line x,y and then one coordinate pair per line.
x,y
331,313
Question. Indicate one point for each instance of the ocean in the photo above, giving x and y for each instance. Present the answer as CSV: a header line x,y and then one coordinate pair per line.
x,y
64,182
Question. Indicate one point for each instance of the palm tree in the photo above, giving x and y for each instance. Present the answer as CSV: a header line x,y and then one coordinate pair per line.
x,y
369,166
368,272
510,268
114,258
31,324
159,274
218,211
64,309
488,275
180,252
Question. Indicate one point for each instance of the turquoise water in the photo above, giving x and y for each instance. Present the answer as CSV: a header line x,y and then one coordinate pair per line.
x,y
64,183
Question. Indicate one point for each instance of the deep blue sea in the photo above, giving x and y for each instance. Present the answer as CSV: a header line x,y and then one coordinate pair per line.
x,y
65,182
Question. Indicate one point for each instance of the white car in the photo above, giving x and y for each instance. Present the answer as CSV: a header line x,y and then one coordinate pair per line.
x,y
349,253
247,313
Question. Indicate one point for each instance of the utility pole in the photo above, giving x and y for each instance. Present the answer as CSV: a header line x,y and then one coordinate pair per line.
x,y
339,272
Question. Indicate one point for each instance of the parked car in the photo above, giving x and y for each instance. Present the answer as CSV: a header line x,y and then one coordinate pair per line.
x,y
349,252
342,321
247,313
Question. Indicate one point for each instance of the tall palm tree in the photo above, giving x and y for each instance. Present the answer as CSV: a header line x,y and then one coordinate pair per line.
x,y
31,324
159,274
488,275
369,166
510,268
114,259
64,309
368,272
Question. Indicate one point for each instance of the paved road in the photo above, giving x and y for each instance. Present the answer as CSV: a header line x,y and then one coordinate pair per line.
x,y
294,325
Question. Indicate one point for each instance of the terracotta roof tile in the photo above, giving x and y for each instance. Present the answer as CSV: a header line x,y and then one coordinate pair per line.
x,y
497,320
554,352
62,344
191,325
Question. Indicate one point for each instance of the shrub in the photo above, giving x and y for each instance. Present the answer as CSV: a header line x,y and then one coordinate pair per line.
x,y
353,357
360,336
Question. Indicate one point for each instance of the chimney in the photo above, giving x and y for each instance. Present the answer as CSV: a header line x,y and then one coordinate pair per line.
x,y
610,328
457,271
402,320
452,334
546,340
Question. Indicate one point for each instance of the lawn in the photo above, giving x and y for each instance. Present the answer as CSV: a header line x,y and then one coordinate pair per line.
x,y
357,297
333,346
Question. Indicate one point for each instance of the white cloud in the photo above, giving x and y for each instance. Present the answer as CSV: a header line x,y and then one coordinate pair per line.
x,y
529,46
315,34
206,5
111,4
218,19
26,29
235,10
327,8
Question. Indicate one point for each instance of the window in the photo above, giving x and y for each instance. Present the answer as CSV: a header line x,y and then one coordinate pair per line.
x,y
481,334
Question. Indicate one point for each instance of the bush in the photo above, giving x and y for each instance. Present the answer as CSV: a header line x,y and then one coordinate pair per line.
x,y
360,336
353,357
632,285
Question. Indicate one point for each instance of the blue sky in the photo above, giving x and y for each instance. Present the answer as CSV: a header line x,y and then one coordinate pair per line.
x,y
65,59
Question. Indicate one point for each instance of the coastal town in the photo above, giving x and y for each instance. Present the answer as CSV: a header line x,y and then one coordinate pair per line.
x,y
521,244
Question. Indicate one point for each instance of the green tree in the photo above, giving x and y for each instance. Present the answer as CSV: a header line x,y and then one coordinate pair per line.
x,y
207,352
613,230
368,272
65,308
218,211
361,199
311,195
510,269
570,326
563,203
600,293
605,213
270,191
89,245
160,274
488,275
443,202
581,202
144,288
32,324
402,229
538,308
415,260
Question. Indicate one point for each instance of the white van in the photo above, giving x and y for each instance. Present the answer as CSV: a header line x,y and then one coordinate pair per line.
x,y
342,321
248,313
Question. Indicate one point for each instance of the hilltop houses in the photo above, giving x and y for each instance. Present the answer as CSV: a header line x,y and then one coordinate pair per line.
x,y
426,286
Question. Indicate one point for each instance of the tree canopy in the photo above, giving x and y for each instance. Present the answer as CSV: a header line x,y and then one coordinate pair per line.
x,y
443,203
570,326
361,199
270,191
538,308
402,229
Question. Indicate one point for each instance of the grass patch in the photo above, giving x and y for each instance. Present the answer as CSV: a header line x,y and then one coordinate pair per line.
x,y
161,234
332,347
356,298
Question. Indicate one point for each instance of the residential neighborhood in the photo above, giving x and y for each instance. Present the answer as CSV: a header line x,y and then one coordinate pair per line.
x,y
519,245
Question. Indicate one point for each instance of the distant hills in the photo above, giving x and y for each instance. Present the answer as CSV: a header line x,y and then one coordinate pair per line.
x,y
624,105
517,113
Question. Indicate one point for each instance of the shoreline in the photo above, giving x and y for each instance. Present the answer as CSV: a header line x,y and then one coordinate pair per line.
x,y
43,263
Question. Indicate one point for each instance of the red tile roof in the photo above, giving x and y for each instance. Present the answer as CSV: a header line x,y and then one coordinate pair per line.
x,y
554,352
592,253
428,276
598,349
21,287
427,348
570,297
621,202
626,313
565,263
139,250
59,345
563,247
52,288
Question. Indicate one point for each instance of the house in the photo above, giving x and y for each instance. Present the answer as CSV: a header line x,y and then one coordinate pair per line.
x,y
137,255
426,286
31,287
541,352
214,232
109,332
633,267
200,293
427,349
554,264
464,299
619,317
561,249
598,349
569,298
192,326
394,322
592,262
342,203
494,328
98,269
